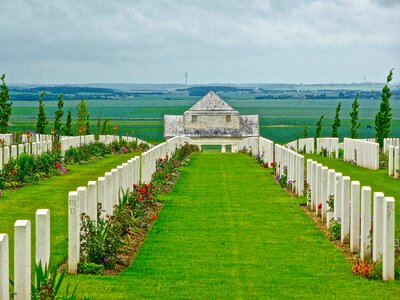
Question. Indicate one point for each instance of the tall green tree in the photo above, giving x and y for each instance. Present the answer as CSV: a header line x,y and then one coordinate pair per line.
x,y
319,127
336,123
58,115
355,125
41,121
384,116
82,113
305,132
68,124
5,106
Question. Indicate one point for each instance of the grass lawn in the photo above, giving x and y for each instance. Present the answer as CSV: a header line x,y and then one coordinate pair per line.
x,y
379,181
228,230
51,193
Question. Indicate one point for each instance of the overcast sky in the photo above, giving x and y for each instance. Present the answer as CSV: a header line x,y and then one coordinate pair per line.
x,y
155,41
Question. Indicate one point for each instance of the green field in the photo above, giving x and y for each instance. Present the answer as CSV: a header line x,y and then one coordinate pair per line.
x,y
280,120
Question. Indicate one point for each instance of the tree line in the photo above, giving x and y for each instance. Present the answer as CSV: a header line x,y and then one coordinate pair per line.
x,y
382,118
82,113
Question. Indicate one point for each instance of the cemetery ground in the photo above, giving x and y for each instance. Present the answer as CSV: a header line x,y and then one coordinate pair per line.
x,y
379,181
228,230
51,193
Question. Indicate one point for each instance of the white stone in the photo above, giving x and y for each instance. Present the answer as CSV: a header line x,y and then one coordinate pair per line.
x,y
329,218
43,237
125,177
388,239
121,187
338,197
324,192
313,184
4,267
101,195
115,187
330,189
22,259
82,194
6,155
301,176
391,161
74,228
365,251
355,217
92,201
377,227
14,153
108,203
345,215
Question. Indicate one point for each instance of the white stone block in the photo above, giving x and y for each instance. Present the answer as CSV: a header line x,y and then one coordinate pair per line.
x,y
82,194
22,259
301,175
14,153
6,155
377,227
366,246
115,187
120,172
125,177
101,195
324,192
108,202
92,201
74,228
355,217
313,184
345,214
388,239
338,197
391,161
43,237
4,267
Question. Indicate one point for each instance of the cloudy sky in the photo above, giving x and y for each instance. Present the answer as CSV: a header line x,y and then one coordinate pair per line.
x,y
156,41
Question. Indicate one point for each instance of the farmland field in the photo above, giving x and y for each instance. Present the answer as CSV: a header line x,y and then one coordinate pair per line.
x,y
281,120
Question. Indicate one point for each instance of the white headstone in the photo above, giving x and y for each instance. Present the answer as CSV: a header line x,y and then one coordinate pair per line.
x,y
101,195
345,197
324,192
43,237
22,259
115,186
355,217
365,251
92,201
108,202
82,194
74,228
388,239
377,226
338,197
4,267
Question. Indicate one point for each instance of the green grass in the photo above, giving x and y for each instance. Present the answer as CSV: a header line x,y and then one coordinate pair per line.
x,y
228,230
51,193
379,181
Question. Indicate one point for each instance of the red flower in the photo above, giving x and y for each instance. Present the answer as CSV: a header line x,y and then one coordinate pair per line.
x,y
115,127
147,186
57,165
320,206
154,217
151,197
14,171
52,131
166,176
143,191
134,186
140,198
28,133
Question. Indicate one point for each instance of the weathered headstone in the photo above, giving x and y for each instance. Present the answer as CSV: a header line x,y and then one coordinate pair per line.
x,y
355,217
74,228
345,215
388,239
22,259
365,251
92,201
377,226
4,267
43,237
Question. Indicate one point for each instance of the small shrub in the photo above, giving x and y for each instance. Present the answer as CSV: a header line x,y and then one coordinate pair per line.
x,y
383,160
90,268
367,269
331,203
335,229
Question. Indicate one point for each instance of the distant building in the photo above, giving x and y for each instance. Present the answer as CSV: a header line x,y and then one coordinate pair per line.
x,y
212,121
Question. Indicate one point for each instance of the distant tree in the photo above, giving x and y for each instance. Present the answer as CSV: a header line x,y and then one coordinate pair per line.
x,y
41,121
68,124
384,116
82,115
336,122
5,106
305,132
58,115
107,127
319,127
354,119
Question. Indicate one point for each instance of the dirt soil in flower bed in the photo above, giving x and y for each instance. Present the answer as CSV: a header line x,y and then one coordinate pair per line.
x,y
134,241
345,248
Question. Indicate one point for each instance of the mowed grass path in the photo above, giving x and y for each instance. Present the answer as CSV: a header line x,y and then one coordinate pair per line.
x,y
51,193
229,231
379,181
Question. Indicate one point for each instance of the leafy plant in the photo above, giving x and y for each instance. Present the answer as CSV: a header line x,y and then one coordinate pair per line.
x,y
336,122
384,116
41,121
367,269
331,203
68,124
90,268
335,229
58,115
319,127
354,119
5,106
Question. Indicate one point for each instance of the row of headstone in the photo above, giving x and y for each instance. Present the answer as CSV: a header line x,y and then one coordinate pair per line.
x,y
395,142
266,150
249,144
22,255
394,161
352,208
331,145
106,192
6,139
13,152
287,160
68,142
362,153
108,139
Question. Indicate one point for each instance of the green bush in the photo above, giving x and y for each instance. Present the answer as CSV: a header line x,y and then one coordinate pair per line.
x,y
90,268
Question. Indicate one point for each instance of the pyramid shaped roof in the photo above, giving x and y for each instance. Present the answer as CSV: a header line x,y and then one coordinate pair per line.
x,y
211,102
